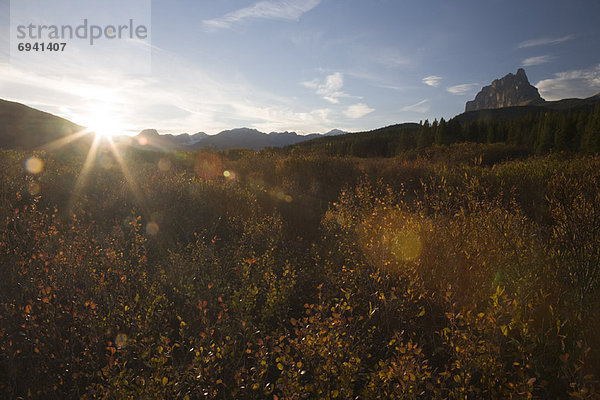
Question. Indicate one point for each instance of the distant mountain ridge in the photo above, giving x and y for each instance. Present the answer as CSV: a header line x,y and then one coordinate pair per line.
x,y
23,127
234,138
152,139
511,90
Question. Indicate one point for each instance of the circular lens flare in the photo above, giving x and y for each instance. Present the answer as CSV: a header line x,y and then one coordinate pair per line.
x,y
34,165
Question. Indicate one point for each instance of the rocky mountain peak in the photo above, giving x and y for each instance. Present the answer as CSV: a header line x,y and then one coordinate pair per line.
x,y
149,133
511,90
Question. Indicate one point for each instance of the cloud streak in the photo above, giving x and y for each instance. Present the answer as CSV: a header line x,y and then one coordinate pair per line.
x,y
464,88
359,110
163,101
575,83
531,61
290,10
432,80
330,88
390,59
420,107
547,41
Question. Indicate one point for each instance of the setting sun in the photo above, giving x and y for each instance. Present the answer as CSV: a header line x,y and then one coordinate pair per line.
x,y
104,123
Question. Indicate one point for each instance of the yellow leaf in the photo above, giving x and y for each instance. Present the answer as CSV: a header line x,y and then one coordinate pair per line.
x,y
165,380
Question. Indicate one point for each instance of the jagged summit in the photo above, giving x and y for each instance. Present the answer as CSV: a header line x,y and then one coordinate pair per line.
x,y
512,90
521,74
149,133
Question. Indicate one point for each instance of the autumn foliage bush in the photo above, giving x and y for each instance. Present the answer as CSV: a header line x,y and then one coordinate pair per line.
x,y
245,275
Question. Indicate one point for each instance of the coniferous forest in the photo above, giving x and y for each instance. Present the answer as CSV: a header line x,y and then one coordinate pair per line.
x,y
445,260
536,130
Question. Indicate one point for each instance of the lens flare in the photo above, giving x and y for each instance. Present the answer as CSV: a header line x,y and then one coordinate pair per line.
x,y
121,341
390,238
34,165
164,165
152,229
406,245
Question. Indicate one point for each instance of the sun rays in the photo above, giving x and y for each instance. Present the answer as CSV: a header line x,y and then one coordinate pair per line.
x,y
87,165
101,138
126,172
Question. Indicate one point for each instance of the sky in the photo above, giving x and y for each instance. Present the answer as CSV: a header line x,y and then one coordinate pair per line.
x,y
305,65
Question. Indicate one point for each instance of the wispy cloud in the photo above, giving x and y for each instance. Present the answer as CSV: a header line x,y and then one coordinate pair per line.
x,y
377,79
359,110
545,41
174,105
432,80
268,9
464,88
330,88
390,59
420,107
531,61
575,83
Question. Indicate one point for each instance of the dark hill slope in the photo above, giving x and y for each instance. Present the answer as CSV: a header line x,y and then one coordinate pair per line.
x,y
382,142
23,127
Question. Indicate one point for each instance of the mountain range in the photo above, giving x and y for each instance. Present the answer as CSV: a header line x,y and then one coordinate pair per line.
x,y
248,138
23,127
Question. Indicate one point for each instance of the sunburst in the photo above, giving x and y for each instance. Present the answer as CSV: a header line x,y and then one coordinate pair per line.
x,y
103,125
104,122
